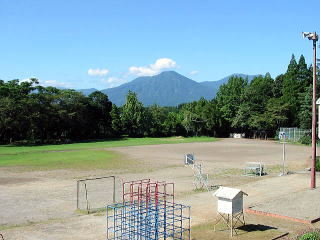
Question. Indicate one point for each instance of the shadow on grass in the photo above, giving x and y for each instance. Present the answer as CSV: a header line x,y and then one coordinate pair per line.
x,y
254,228
250,231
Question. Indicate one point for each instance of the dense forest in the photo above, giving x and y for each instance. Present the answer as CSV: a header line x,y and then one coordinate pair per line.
x,y
30,113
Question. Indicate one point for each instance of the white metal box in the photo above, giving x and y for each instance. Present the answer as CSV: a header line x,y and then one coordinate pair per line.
x,y
230,200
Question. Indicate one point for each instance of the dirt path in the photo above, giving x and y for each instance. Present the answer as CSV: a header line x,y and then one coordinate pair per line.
x,y
44,203
203,210
224,153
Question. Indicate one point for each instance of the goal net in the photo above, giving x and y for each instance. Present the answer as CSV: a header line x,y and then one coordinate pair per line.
x,y
94,194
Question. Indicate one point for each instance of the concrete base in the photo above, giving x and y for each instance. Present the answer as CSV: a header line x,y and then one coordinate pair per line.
x,y
299,206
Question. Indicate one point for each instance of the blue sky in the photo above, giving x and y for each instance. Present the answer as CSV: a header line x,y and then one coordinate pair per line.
x,y
101,44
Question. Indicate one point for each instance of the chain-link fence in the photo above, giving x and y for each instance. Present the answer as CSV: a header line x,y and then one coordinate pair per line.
x,y
294,134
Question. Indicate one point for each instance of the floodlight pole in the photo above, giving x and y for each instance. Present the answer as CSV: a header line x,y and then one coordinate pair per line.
x,y
283,156
314,113
314,37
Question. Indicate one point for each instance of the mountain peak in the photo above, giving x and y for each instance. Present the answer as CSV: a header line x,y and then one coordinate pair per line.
x,y
168,88
168,73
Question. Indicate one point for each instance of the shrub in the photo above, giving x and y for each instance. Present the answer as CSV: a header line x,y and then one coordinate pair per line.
x,y
310,236
318,164
306,139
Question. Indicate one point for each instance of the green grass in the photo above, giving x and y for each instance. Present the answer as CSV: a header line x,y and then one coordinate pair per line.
x,y
96,212
90,155
82,159
30,223
11,149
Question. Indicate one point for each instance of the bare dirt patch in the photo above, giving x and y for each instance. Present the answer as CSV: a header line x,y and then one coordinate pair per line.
x,y
230,153
41,204
12,180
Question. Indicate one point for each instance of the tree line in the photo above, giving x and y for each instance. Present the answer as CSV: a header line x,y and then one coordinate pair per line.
x,y
30,113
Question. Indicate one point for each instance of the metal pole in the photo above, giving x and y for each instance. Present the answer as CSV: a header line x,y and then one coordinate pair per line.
x,y
231,225
319,122
85,187
77,194
283,157
314,120
114,189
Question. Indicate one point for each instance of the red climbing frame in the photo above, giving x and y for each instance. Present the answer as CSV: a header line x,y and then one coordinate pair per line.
x,y
146,190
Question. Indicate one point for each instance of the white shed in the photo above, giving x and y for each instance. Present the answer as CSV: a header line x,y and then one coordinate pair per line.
x,y
230,206
230,200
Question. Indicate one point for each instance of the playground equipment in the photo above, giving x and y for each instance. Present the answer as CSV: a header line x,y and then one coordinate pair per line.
x,y
254,168
148,212
201,180
230,207
95,193
144,190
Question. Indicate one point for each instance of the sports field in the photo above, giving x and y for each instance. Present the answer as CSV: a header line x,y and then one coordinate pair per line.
x,y
38,184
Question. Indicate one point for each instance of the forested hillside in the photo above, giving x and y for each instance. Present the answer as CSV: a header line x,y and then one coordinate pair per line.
x,y
30,113
168,88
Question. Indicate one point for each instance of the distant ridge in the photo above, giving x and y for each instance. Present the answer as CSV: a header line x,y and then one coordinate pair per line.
x,y
214,85
168,88
87,91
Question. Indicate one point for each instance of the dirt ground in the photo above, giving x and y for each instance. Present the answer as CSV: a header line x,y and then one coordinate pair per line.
x,y
41,205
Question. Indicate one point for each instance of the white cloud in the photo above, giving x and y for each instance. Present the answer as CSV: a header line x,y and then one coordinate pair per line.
x,y
194,72
98,72
55,83
46,83
24,80
160,65
142,71
163,63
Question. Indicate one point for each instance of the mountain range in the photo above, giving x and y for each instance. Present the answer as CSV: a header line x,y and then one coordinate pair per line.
x,y
168,88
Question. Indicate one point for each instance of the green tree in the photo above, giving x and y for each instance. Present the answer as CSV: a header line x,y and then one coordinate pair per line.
x,y
212,118
250,114
276,114
193,118
15,104
99,108
305,113
74,115
116,121
46,122
133,116
228,99
158,117
278,86
304,75
296,79
259,92
173,124
240,121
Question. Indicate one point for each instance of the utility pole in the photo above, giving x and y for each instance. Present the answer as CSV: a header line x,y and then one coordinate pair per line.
x,y
314,37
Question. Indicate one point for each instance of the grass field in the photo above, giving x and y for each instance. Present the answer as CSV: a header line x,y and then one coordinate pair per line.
x,y
89,155
81,159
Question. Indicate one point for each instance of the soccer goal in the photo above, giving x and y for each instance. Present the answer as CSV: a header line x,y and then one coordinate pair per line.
x,y
94,194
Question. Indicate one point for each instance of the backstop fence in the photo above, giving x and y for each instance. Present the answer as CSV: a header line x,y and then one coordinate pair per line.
x,y
294,134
